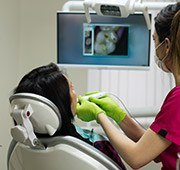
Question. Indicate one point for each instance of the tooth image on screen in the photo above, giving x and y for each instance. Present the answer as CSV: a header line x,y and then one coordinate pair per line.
x,y
106,38
105,41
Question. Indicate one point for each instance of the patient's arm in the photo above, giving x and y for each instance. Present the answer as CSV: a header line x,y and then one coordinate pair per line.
x,y
132,129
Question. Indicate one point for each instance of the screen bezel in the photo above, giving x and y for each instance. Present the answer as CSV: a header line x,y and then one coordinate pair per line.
x,y
94,66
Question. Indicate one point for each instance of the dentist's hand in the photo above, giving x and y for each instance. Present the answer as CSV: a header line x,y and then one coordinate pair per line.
x,y
87,111
111,108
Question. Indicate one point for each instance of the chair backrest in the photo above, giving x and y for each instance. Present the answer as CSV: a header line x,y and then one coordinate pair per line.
x,y
36,113
62,153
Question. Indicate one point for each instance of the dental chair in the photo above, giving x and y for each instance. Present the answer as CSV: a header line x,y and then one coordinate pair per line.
x,y
34,113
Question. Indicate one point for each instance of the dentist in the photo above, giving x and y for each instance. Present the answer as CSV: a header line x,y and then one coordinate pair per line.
x,y
161,141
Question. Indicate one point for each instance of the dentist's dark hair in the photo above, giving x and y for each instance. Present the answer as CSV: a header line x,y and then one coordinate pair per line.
x,y
164,19
175,42
50,82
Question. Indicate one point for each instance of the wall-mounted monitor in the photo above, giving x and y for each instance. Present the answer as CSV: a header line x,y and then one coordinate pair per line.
x,y
105,42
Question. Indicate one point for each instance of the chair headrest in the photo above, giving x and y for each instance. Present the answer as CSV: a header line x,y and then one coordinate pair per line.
x,y
33,113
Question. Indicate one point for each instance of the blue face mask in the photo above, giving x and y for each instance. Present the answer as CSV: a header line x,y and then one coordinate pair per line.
x,y
159,62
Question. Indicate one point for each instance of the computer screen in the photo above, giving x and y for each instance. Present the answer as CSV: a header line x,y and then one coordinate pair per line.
x,y
105,42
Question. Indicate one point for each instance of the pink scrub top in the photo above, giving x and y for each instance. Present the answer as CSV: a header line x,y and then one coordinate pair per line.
x,y
167,124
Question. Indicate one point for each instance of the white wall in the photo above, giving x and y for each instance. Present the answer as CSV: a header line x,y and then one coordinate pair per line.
x,y
9,66
38,38
37,35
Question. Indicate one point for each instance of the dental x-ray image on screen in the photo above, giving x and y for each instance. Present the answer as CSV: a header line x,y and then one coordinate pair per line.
x,y
105,39
107,42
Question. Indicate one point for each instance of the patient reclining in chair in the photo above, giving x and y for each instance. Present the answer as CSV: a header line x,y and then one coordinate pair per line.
x,y
50,82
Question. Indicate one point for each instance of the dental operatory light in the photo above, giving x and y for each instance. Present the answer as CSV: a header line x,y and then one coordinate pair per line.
x,y
116,8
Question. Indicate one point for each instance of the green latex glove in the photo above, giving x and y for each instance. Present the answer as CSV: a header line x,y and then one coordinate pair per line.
x,y
87,111
111,108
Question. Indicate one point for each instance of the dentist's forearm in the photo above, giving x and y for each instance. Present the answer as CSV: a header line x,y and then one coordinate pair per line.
x,y
133,130
123,144
135,154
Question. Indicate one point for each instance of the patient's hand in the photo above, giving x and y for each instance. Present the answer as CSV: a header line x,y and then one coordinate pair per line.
x,y
111,108
87,111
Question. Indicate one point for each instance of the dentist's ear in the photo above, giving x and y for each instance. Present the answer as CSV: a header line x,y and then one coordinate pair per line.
x,y
167,45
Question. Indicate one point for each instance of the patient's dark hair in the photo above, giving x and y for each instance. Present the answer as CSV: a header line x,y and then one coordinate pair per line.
x,y
50,82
